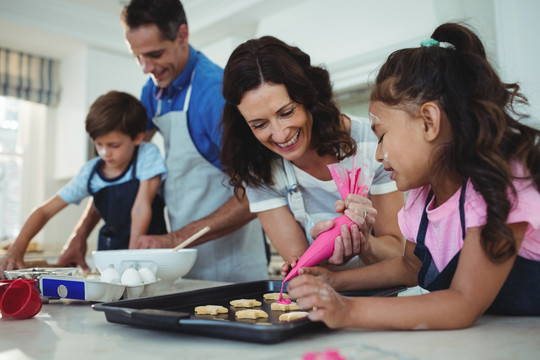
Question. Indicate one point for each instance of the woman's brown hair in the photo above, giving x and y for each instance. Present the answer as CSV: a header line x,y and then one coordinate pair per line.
x,y
270,60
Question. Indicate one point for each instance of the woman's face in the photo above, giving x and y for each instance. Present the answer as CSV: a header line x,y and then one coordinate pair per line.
x,y
278,122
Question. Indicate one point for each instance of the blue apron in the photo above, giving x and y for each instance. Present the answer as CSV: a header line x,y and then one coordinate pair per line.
x,y
520,293
114,204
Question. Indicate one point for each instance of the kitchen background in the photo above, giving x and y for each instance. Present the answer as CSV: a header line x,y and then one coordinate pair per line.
x,y
42,147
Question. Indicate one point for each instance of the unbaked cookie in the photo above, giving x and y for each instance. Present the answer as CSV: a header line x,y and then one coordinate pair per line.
x,y
275,296
284,307
251,314
293,315
246,303
211,310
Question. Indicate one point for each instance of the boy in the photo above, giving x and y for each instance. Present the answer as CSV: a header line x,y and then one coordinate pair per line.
x,y
123,180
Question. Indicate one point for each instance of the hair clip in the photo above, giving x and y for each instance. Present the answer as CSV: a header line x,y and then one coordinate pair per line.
x,y
432,42
429,42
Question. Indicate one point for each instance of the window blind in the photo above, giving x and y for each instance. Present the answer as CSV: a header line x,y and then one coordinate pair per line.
x,y
29,77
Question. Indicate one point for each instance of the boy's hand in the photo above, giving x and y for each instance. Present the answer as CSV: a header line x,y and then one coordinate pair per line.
x,y
12,261
73,256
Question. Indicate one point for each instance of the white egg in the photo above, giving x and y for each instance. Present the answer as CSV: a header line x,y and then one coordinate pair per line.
x,y
110,275
147,275
131,277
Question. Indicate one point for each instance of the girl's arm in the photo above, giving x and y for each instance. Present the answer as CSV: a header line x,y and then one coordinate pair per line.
x,y
14,258
476,283
387,240
400,270
141,212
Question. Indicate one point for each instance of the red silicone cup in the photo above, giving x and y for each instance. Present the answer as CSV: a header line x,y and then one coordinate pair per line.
x,y
21,300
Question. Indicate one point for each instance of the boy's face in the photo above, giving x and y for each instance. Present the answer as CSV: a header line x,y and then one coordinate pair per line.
x,y
116,149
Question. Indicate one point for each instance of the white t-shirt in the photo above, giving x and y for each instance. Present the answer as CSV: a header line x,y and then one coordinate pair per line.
x,y
320,196
149,164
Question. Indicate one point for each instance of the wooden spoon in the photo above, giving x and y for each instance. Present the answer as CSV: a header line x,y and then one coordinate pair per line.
x,y
192,238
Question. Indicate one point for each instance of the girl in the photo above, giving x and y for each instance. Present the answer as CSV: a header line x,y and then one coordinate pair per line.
x,y
448,131
281,130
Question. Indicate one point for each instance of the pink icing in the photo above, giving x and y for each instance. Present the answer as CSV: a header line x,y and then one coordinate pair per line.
x,y
283,301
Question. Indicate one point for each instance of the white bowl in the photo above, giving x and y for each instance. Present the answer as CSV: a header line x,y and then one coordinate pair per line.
x,y
169,265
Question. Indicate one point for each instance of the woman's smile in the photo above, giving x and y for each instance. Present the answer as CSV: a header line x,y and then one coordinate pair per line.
x,y
289,143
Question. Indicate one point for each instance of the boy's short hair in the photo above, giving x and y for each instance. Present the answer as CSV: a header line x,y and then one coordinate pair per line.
x,y
116,111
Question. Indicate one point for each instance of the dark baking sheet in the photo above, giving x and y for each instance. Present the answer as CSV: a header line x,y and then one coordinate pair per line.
x,y
176,312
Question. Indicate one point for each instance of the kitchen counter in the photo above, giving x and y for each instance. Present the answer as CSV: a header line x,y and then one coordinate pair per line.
x,y
73,330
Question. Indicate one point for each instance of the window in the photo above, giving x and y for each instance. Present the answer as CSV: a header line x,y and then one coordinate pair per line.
x,y
11,154
22,162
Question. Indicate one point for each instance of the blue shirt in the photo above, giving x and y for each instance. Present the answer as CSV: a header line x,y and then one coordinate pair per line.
x,y
206,104
149,164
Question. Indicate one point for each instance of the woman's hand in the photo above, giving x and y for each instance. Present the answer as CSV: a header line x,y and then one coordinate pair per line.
x,y
326,304
354,240
288,266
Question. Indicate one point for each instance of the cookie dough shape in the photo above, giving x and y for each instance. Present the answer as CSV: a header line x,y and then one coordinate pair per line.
x,y
246,303
284,307
293,315
211,310
251,314
275,296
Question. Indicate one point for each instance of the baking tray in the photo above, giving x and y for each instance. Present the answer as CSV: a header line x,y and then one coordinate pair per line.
x,y
176,312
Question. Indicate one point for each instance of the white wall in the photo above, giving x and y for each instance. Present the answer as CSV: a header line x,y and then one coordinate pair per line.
x,y
518,50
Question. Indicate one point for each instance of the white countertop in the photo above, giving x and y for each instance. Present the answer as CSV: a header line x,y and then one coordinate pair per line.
x,y
73,330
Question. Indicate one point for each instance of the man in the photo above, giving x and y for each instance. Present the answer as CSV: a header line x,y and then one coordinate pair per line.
x,y
184,102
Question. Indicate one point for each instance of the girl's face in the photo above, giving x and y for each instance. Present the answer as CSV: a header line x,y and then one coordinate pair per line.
x,y
279,123
402,148
116,149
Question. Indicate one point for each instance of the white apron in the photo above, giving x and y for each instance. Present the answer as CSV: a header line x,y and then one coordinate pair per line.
x,y
194,189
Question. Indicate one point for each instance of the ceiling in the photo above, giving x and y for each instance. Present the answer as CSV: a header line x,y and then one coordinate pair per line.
x,y
55,28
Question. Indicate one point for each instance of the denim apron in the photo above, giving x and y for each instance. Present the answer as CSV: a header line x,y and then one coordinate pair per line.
x,y
114,204
194,188
520,293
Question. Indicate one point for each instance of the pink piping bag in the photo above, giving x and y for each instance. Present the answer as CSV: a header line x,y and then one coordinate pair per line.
x,y
353,181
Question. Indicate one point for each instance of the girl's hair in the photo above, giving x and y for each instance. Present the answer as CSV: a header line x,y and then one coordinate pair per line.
x,y
270,60
116,111
486,133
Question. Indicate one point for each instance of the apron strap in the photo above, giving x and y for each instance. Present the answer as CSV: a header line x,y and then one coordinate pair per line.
x,y
296,201
186,100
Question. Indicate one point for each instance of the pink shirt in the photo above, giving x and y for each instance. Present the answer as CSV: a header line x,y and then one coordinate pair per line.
x,y
444,237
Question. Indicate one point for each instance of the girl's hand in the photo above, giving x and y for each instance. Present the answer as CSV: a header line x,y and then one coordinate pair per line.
x,y
321,272
325,303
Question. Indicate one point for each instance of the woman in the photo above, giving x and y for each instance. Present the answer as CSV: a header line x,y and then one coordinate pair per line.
x,y
281,129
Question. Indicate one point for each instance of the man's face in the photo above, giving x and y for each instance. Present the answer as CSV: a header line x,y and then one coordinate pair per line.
x,y
163,59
